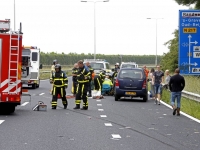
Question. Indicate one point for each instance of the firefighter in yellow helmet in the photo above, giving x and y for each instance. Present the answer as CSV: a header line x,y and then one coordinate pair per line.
x,y
60,82
83,78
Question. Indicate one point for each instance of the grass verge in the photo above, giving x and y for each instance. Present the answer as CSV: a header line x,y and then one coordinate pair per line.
x,y
188,106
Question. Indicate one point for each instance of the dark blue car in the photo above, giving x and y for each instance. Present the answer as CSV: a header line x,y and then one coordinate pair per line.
x,y
131,82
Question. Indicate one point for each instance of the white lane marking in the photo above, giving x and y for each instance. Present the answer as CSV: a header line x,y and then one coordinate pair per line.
x,y
24,104
100,110
103,116
1,121
169,134
194,119
108,124
41,94
151,128
116,136
98,100
127,127
99,104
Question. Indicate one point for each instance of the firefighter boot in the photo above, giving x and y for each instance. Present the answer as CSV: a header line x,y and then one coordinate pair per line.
x,y
53,107
65,106
84,108
77,106
178,111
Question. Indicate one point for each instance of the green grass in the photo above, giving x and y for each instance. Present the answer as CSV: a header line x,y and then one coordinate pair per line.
x,y
188,106
192,84
45,71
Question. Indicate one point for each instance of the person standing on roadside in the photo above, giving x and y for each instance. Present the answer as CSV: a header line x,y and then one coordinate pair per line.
x,y
176,85
74,79
146,71
158,79
83,77
167,78
90,81
151,83
52,71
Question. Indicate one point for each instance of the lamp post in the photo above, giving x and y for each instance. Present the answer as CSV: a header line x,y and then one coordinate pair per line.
x,y
95,24
156,60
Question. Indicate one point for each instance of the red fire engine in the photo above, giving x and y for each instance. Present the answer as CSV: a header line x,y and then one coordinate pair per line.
x,y
10,67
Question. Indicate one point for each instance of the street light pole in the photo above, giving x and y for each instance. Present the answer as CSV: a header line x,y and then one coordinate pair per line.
x,y
156,60
95,23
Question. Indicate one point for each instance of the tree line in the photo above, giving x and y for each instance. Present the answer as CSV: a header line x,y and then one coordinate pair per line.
x,y
71,58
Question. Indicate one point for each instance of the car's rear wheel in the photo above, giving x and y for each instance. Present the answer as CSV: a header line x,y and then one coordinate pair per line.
x,y
145,98
117,97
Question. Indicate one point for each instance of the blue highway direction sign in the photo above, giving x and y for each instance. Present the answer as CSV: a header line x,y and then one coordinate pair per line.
x,y
189,42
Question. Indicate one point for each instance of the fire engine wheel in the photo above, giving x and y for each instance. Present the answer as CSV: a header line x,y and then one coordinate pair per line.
x,y
34,86
7,109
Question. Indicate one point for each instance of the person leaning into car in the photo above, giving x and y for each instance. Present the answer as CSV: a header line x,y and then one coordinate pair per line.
x,y
158,79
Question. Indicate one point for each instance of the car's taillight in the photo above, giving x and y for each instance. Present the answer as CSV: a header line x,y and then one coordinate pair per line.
x,y
116,83
144,84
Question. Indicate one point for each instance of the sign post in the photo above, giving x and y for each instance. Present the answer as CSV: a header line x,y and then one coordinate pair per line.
x,y
189,42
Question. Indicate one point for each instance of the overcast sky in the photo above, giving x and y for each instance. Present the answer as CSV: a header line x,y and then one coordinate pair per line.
x,y
68,25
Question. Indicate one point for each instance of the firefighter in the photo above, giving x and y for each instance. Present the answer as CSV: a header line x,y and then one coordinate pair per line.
x,y
116,70
74,79
60,82
98,80
90,81
52,71
83,78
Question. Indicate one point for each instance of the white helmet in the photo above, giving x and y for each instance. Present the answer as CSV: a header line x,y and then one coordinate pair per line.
x,y
117,64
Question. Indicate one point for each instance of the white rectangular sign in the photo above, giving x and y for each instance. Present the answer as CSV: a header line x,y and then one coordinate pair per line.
x,y
196,54
195,70
196,48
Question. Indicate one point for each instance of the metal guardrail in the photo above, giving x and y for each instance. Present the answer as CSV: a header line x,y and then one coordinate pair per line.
x,y
190,95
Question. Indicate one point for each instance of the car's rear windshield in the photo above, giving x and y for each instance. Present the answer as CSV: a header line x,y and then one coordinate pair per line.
x,y
137,74
128,66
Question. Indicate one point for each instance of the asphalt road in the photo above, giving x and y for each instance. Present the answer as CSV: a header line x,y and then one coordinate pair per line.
x,y
106,125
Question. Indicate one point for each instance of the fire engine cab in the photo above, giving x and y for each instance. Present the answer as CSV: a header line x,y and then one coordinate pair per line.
x,y
31,66
10,67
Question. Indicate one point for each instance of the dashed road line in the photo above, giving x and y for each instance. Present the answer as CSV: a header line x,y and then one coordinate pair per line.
x,y
99,104
1,121
103,116
100,110
108,124
98,100
41,94
24,104
116,136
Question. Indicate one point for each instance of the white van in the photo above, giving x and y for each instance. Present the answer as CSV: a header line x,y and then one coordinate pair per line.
x,y
129,65
98,65
31,66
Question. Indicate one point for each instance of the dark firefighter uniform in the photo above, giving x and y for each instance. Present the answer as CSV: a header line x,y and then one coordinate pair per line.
x,y
83,77
74,80
98,80
60,82
90,84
